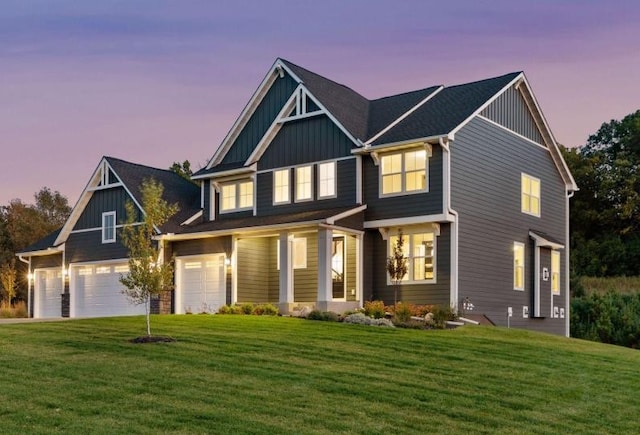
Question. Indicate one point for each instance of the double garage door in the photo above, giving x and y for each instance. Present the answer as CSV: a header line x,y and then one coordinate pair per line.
x,y
200,284
96,291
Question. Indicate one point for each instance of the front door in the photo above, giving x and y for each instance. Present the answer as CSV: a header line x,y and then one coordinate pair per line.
x,y
338,267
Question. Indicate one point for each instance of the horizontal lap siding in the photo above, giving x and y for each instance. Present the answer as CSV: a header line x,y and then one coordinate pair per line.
x,y
305,281
253,265
351,268
487,163
211,245
46,261
273,276
403,205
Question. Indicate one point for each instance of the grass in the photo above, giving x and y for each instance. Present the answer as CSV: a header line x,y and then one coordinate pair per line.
x,y
622,284
247,374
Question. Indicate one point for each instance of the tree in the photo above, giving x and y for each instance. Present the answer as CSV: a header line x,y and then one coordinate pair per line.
x,y
397,265
9,279
183,169
148,274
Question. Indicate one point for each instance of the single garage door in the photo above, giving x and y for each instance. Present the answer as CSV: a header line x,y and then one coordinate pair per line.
x,y
47,300
200,284
96,291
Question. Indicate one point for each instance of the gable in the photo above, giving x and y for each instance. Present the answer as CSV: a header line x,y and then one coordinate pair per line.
x,y
306,140
261,119
511,111
101,201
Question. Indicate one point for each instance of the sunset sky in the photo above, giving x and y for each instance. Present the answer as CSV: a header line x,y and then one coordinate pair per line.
x,y
155,82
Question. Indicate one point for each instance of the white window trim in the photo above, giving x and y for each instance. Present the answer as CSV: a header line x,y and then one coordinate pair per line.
x,y
335,180
296,199
237,208
558,271
288,201
105,215
522,175
524,270
299,241
410,274
403,174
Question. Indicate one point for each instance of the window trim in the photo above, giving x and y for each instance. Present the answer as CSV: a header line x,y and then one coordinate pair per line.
x,y
335,180
523,267
237,207
556,292
295,241
524,176
106,215
288,200
311,187
410,257
403,174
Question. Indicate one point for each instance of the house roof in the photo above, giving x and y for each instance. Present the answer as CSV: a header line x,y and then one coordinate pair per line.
x,y
45,243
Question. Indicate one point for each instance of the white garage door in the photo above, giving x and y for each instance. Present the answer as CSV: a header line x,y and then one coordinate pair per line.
x,y
48,288
200,284
96,291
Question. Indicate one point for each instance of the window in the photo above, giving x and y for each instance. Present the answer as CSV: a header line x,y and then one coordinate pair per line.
x,y
518,266
299,253
327,180
404,172
419,249
555,272
530,195
109,227
304,185
281,189
236,196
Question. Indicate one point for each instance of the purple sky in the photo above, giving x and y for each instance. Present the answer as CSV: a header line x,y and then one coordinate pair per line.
x,y
159,81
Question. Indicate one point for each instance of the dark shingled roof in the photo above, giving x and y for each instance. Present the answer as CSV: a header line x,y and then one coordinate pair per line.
x,y
176,189
219,168
44,243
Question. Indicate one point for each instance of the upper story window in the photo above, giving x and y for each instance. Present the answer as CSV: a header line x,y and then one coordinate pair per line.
x,y
530,195
281,189
327,180
304,183
555,272
236,196
420,251
518,266
109,227
403,172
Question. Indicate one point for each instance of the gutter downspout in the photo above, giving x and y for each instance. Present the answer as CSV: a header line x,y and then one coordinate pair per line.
x,y
567,278
29,279
446,205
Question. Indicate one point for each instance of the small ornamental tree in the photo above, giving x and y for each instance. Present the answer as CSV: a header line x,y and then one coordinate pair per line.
x,y
9,279
148,274
397,266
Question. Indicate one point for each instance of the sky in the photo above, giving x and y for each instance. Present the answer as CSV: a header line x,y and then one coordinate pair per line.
x,y
159,81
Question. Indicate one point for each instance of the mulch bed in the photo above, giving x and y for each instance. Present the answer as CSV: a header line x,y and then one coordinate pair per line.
x,y
152,339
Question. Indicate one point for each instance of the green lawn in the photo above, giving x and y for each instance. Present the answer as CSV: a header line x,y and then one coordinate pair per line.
x,y
244,374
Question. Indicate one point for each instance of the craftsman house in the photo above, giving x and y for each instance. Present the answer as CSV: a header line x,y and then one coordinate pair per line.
x,y
304,199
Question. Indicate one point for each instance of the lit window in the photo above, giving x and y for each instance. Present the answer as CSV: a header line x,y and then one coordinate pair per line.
x,y
530,195
102,270
555,272
109,227
236,196
327,180
304,185
299,253
281,189
404,172
419,250
518,266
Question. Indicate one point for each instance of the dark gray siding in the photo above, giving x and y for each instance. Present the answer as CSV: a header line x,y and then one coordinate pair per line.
x,y
345,189
511,111
253,264
261,119
46,261
88,246
306,140
103,201
211,245
404,205
487,163
437,293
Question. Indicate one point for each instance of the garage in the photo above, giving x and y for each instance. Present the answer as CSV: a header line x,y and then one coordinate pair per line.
x,y
47,293
200,284
96,291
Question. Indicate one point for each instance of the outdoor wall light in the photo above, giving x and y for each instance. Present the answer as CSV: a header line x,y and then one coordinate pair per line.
x,y
227,261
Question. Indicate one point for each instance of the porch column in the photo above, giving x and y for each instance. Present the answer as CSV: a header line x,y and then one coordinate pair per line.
x,y
325,283
286,272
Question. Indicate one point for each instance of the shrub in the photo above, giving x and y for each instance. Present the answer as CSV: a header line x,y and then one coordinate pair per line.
x,y
327,316
265,310
5,311
442,314
247,308
224,309
361,319
375,309
20,309
403,312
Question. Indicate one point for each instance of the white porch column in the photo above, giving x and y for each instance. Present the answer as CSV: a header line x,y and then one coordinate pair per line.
x,y
286,271
325,283
359,268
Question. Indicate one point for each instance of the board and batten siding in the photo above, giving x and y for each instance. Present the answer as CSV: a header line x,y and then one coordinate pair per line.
x,y
345,191
510,110
261,119
400,206
113,199
486,167
202,246
377,286
88,246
